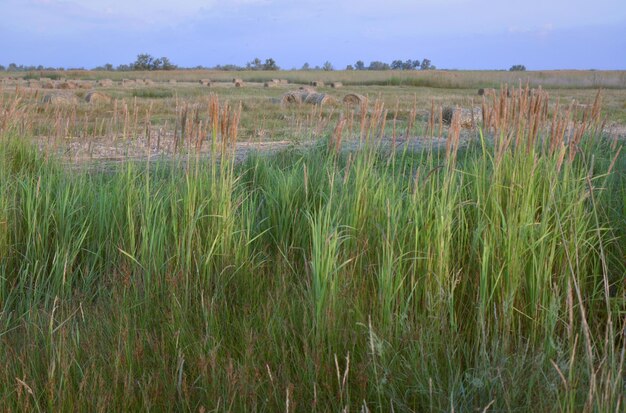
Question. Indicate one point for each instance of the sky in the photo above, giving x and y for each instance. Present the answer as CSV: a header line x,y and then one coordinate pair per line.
x,y
453,34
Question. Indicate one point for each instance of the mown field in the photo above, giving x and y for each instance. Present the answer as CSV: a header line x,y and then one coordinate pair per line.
x,y
380,260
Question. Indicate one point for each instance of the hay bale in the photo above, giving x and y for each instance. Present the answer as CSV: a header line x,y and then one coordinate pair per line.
x,y
469,117
486,92
317,83
85,85
128,82
354,99
47,84
58,99
239,83
66,85
97,98
172,81
105,83
319,99
36,84
294,97
237,80
307,89
148,82
283,81
270,84
205,82
336,85
446,115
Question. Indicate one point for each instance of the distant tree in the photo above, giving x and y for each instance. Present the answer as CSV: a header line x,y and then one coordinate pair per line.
x,y
270,64
12,67
397,65
228,67
166,64
306,66
426,65
359,65
328,66
517,68
144,62
156,64
255,64
376,65
411,64
2,68
124,68
349,67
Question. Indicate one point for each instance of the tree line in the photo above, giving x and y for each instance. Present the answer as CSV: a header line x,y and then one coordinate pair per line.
x,y
147,62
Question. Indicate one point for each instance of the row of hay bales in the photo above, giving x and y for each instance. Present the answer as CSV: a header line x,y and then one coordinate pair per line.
x,y
93,97
320,83
62,84
513,92
317,83
310,96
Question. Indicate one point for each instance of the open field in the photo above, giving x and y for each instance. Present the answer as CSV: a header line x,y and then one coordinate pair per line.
x,y
180,247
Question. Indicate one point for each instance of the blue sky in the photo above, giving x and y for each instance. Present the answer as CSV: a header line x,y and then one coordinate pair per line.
x,y
455,34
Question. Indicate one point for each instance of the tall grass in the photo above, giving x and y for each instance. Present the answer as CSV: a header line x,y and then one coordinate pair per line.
x,y
489,277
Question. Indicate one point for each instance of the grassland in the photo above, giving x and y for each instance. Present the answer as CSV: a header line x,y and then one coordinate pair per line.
x,y
482,274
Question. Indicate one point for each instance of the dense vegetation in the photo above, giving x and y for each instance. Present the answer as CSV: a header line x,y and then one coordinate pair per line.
x,y
486,277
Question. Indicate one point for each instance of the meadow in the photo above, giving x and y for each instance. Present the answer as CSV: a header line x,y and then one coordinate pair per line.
x,y
379,259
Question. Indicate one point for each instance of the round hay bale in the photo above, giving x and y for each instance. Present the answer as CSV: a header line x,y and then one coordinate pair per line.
x,y
47,84
354,99
97,98
237,80
270,84
58,99
469,117
148,82
307,89
205,82
317,83
105,83
66,85
487,92
85,85
319,99
283,81
336,85
294,97
239,83
128,82
172,81
446,115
